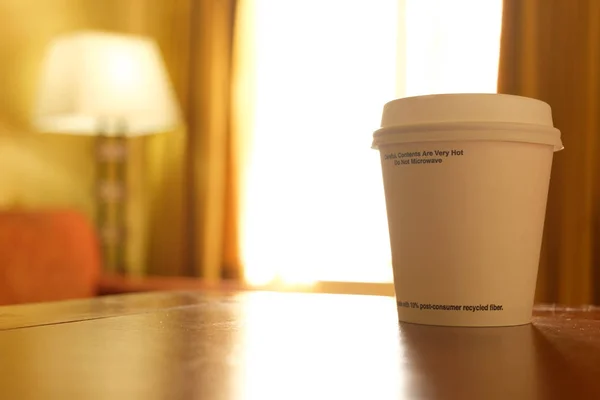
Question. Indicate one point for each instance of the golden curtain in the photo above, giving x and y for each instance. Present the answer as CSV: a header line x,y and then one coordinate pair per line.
x,y
213,145
550,50
193,217
158,205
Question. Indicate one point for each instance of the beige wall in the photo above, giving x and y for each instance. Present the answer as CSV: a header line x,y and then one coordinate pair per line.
x,y
40,171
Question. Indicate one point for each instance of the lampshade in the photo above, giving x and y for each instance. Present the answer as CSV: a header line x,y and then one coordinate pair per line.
x,y
94,81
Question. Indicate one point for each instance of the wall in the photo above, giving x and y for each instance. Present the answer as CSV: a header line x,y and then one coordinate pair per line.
x,y
41,171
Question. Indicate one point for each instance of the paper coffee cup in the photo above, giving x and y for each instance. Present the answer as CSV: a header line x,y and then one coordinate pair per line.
x,y
466,182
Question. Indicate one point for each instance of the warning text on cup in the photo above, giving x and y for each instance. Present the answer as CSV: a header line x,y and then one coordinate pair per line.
x,y
422,157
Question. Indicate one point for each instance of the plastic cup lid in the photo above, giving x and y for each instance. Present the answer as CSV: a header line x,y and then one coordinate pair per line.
x,y
478,116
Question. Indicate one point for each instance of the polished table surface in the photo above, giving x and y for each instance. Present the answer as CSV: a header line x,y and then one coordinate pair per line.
x,y
260,345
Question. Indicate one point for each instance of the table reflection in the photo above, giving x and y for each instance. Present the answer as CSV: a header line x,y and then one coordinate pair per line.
x,y
316,346
353,347
465,363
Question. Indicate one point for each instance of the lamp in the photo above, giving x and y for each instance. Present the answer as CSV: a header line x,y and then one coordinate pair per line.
x,y
112,86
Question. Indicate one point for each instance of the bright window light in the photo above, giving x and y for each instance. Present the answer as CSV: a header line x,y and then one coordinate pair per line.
x,y
451,46
313,205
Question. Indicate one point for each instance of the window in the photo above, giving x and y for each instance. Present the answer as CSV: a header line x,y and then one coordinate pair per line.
x,y
320,72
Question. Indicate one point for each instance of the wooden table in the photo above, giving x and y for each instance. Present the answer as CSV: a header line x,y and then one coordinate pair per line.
x,y
286,346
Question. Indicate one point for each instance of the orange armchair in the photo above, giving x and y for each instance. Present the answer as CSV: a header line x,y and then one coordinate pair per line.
x,y
55,255
47,255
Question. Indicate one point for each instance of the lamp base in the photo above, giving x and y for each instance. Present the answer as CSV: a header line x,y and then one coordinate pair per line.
x,y
111,195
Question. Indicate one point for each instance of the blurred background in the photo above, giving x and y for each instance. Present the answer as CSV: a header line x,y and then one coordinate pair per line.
x,y
147,144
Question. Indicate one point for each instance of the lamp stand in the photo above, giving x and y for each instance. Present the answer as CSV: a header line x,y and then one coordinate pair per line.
x,y
111,195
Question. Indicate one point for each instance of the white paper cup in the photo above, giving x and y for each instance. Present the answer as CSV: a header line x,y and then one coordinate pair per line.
x,y
466,182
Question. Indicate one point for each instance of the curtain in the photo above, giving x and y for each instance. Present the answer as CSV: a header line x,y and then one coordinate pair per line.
x,y
550,50
186,206
213,142
158,205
